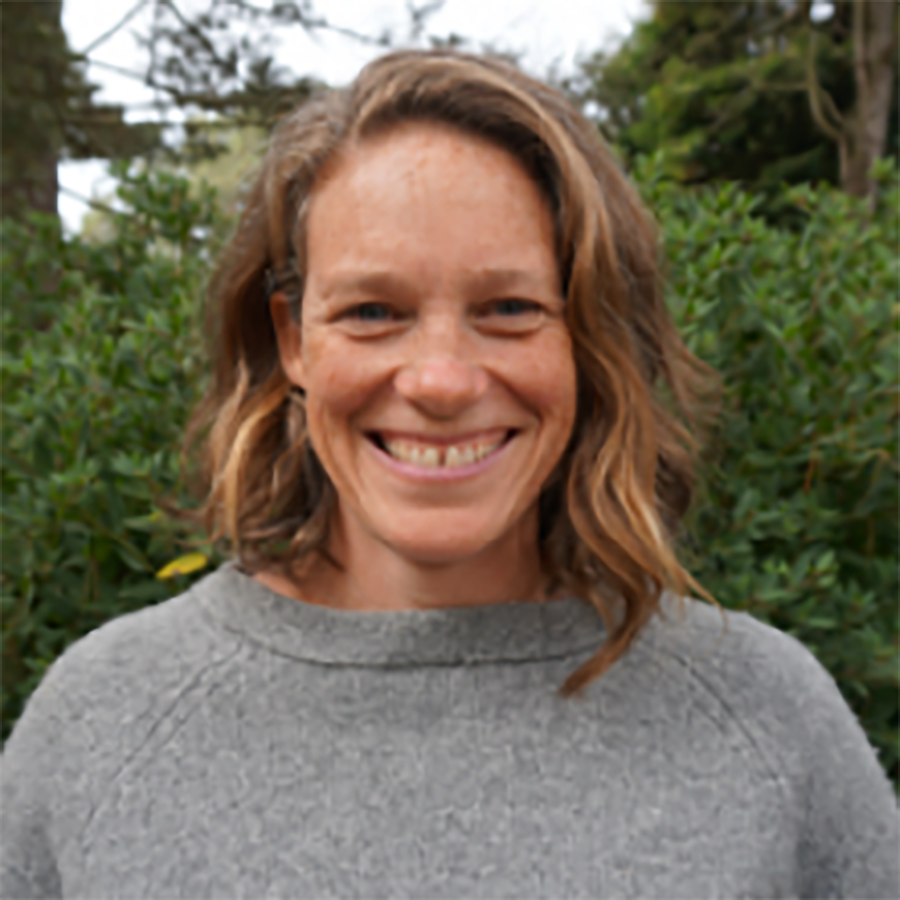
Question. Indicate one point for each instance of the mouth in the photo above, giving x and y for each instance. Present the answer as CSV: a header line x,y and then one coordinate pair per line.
x,y
441,453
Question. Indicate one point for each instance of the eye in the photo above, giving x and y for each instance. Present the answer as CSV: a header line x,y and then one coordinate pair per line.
x,y
370,319
369,312
511,316
513,307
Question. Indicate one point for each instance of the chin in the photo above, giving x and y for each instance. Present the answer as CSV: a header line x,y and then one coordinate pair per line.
x,y
429,546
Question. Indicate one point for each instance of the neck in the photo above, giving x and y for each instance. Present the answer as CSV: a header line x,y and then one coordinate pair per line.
x,y
372,576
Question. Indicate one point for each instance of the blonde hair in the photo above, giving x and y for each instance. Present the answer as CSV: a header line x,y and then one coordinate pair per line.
x,y
610,512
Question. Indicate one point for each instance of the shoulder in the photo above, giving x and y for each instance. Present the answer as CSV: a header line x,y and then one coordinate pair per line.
x,y
772,691
755,684
97,705
750,666
152,646
124,676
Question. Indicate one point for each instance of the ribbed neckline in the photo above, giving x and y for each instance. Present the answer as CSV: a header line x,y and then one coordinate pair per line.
x,y
459,636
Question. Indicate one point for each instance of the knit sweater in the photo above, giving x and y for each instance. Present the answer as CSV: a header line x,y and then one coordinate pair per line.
x,y
232,742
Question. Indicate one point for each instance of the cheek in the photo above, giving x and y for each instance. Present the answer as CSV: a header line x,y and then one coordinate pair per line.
x,y
338,383
547,380
337,388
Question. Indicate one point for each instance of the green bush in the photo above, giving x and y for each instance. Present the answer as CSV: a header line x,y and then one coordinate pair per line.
x,y
100,365
796,520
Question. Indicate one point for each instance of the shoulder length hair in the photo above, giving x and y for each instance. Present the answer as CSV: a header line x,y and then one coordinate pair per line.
x,y
609,514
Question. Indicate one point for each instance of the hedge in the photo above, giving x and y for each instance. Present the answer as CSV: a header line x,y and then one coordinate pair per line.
x,y
796,518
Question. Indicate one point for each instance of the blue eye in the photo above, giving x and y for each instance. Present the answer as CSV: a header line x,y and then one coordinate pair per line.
x,y
371,312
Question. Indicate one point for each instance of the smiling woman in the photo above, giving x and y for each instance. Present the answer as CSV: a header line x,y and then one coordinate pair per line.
x,y
437,367
439,441
433,243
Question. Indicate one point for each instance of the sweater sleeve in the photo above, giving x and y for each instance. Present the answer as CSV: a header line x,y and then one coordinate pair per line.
x,y
850,845
27,860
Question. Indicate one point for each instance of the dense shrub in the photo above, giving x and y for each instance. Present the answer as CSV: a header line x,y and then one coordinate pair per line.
x,y
796,520
100,364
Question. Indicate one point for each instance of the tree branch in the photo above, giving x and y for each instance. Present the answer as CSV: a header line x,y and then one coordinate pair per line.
x,y
94,44
817,94
318,23
192,29
860,52
93,204
419,15
118,69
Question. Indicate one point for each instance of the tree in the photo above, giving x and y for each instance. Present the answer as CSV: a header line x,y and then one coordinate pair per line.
x,y
48,109
216,64
861,133
33,63
220,60
752,90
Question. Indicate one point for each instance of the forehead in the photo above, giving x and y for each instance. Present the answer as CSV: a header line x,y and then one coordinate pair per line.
x,y
405,147
424,189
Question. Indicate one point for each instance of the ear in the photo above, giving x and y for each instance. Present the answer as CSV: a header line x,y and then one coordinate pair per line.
x,y
288,334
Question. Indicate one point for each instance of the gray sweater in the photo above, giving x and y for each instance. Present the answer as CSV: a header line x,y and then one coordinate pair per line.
x,y
235,743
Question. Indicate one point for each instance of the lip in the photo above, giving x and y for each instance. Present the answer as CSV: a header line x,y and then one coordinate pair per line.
x,y
442,473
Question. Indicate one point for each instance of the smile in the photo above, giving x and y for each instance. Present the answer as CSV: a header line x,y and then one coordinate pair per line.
x,y
423,453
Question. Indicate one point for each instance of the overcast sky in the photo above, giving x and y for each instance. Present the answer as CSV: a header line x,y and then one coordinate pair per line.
x,y
548,34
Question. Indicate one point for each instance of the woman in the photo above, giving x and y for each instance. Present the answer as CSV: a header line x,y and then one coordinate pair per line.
x,y
439,446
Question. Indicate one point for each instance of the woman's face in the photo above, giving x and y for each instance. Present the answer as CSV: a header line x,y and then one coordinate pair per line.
x,y
438,369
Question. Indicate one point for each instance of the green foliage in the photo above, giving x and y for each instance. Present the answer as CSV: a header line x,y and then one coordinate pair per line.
x,y
797,521
100,364
719,87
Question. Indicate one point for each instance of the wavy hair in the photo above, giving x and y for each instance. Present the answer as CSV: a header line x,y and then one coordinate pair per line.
x,y
609,515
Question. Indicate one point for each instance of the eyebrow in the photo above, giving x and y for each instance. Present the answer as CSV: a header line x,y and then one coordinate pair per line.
x,y
380,283
508,280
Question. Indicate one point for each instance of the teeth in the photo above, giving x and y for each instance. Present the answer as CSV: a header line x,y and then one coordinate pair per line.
x,y
460,456
453,457
430,458
434,457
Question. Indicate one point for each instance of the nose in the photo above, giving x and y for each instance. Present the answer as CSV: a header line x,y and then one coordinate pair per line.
x,y
441,385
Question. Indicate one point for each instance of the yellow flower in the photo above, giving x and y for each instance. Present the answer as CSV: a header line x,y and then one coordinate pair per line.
x,y
184,565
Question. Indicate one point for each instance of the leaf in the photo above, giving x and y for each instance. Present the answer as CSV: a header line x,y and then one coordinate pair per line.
x,y
184,565
749,501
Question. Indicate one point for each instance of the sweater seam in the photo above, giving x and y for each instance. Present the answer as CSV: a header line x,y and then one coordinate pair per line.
x,y
775,771
252,639
192,682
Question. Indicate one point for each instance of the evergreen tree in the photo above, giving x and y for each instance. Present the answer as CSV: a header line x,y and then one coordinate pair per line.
x,y
48,111
759,91
37,79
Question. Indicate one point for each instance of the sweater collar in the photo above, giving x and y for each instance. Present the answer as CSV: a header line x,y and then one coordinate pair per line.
x,y
503,632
